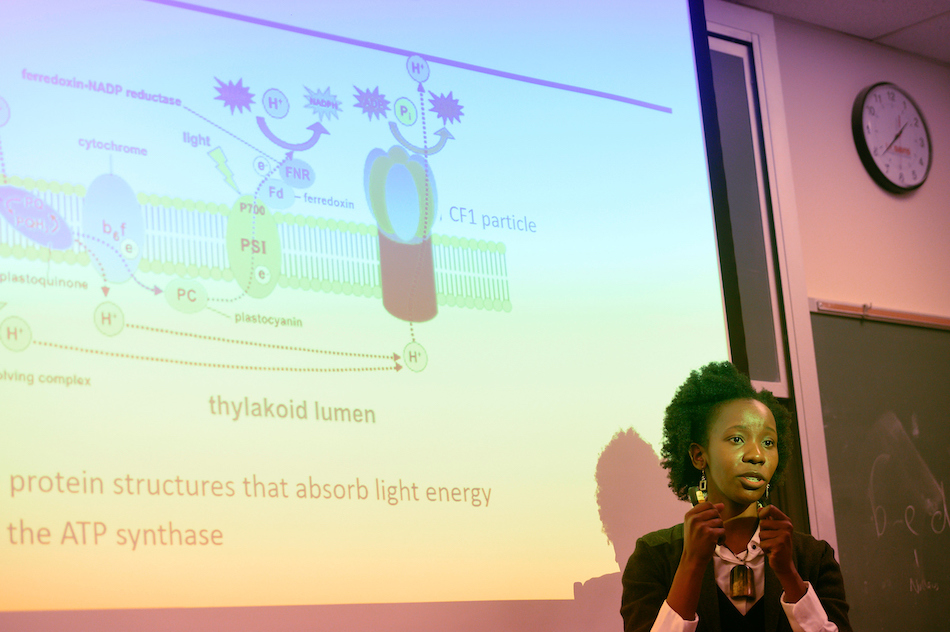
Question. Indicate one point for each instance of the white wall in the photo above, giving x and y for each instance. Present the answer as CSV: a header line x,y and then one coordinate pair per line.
x,y
841,237
861,244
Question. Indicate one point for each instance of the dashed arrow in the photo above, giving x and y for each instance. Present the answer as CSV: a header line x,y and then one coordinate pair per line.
x,y
154,289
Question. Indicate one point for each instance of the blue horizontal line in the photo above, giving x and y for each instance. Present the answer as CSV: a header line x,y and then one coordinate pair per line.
x,y
406,53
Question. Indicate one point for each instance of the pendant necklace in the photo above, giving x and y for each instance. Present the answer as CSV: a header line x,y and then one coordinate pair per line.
x,y
741,580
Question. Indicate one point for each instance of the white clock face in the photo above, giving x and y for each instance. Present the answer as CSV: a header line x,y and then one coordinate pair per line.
x,y
896,136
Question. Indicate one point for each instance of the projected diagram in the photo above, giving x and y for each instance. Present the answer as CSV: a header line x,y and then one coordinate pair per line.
x,y
401,193
258,242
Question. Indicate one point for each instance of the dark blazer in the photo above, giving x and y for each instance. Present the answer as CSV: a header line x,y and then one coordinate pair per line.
x,y
649,575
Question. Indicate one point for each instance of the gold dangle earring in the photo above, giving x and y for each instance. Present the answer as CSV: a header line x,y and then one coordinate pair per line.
x,y
698,494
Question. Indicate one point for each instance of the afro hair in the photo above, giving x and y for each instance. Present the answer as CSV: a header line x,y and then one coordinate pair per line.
x,y
687,420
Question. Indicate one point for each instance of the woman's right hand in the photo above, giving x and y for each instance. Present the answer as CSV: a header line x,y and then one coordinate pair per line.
x,y
703,529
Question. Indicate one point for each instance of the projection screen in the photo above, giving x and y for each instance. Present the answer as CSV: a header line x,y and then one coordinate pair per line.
x,y
324,313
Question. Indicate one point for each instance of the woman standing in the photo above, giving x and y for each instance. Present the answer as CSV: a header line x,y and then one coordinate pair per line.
x,y
735,563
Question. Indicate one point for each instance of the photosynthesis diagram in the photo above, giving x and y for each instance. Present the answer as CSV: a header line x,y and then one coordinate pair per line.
x,y
335,293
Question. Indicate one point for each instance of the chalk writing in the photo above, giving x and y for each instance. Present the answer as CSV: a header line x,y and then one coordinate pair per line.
x,y
907,481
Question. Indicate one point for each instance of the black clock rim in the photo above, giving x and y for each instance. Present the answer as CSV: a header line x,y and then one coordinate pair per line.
x,y
857,130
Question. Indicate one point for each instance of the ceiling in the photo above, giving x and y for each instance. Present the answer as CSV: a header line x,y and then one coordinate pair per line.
x,y
916,26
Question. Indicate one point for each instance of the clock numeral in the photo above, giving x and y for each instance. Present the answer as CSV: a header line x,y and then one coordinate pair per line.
x,y
916,122
921,162
891,95
913,174
901,176
871,110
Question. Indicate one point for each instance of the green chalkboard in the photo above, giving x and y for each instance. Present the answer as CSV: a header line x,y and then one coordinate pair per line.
x,y
885,396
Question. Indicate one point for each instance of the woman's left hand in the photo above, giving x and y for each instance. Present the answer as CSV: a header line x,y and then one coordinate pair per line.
x,y
775,536
775,533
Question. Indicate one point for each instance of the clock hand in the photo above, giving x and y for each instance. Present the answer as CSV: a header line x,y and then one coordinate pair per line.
x,y
895,138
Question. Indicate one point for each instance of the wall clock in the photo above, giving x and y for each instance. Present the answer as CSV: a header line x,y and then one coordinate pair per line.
x,y
891,137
